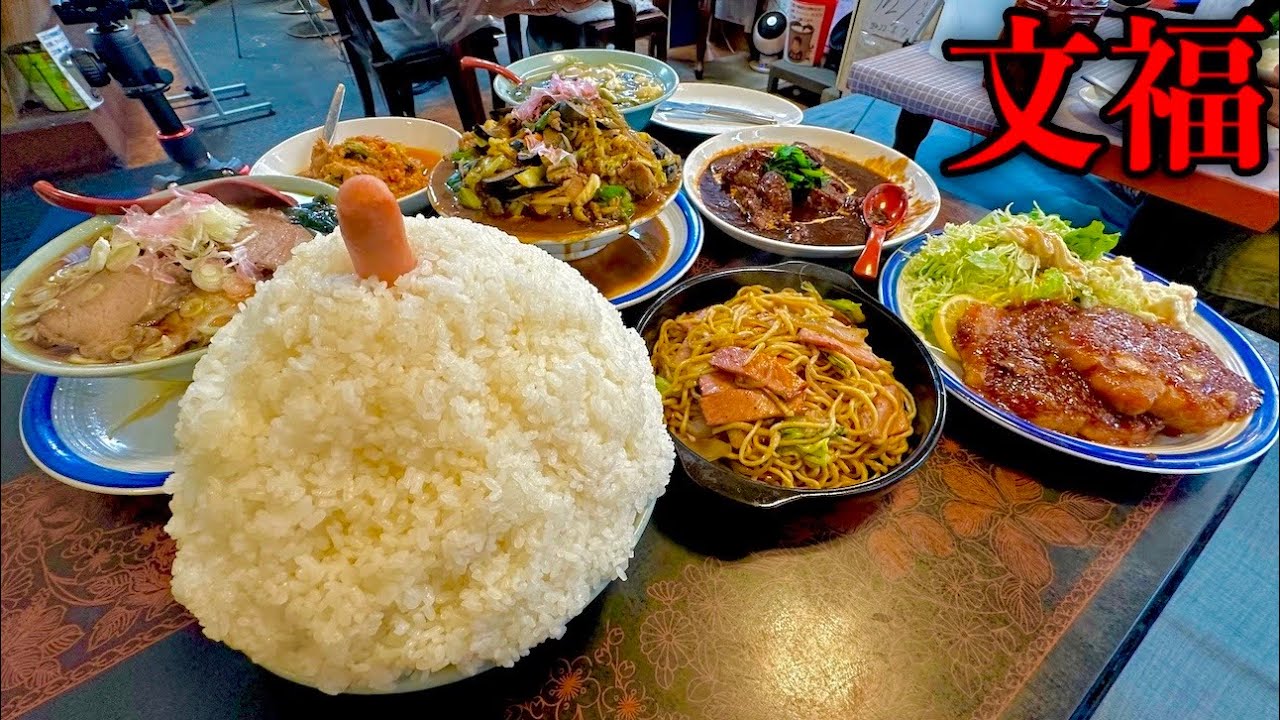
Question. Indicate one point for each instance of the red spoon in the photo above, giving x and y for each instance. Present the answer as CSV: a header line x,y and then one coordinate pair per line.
x,y
474,63
883,210
237,191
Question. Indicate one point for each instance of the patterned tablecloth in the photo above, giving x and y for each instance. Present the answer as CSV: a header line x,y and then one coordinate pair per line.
x,y
996,582
915,80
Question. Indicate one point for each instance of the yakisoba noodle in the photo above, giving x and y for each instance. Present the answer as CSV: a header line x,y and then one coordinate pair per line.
x,y
850,422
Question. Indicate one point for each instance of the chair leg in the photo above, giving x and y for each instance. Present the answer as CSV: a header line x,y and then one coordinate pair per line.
x,y
752,54
706,10
624,26
658,43
515,37
361,73
398,91
466,92
488,50
910,131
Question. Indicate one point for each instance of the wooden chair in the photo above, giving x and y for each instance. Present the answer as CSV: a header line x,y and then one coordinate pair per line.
x,y
395,56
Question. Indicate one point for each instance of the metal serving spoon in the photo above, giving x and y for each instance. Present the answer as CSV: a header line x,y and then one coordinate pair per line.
x,y
331,118
231,191
883,210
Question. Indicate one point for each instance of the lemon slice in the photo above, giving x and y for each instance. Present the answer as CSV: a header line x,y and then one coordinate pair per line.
x,y
945,320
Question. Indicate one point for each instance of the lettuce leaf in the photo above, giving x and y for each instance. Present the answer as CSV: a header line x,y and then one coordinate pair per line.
x,y
1052,284
1091,241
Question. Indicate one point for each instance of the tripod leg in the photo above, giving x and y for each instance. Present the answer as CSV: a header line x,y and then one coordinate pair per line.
x,y
235,29
182,53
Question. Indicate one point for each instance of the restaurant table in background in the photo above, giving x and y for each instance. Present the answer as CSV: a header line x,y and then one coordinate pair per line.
x,y
1002,580
928,88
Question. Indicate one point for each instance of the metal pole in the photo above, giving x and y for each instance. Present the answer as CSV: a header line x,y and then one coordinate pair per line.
x,y
235,28
188,61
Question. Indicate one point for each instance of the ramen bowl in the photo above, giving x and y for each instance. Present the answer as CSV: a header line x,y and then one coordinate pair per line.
x,y
890,336
536,68
174,367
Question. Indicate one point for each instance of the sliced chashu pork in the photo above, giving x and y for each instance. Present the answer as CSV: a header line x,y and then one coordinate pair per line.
x,y
269,239
100,313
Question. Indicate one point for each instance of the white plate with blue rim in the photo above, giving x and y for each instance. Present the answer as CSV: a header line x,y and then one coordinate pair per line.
x,y
1226,446
682,227
105,435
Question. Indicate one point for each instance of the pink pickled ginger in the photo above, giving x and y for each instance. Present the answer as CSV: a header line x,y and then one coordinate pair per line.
x,y
556,89
169,220
552,154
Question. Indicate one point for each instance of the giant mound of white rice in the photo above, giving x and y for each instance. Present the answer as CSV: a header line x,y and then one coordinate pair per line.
x,y
374,482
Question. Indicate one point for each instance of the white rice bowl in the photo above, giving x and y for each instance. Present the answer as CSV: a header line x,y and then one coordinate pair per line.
x,y
378,483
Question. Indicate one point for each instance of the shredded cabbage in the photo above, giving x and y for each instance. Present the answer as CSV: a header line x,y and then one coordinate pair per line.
x,y
1015,257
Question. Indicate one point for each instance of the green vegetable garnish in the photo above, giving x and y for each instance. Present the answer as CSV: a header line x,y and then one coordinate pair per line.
x,y
319,215
1052,284
1091,241
1011,257
818,453
356,149
530,177
469,199
455,181
608,193
793,433
840,361
662,384
545,118
851,309
460,155
797,168
811,443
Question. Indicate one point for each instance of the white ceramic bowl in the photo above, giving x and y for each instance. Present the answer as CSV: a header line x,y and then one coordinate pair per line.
x,y
293,155
538,68
175,367
923,192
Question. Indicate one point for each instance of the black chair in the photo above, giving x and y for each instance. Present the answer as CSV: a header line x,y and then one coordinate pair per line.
x,y
396,56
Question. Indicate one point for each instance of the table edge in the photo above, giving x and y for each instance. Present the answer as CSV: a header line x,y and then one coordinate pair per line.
x,y
1132,639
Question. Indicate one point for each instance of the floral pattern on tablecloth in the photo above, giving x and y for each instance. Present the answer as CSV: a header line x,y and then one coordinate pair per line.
x,y
86,585
951,587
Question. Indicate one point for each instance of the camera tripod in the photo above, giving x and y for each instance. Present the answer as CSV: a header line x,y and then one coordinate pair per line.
x,y
118,53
